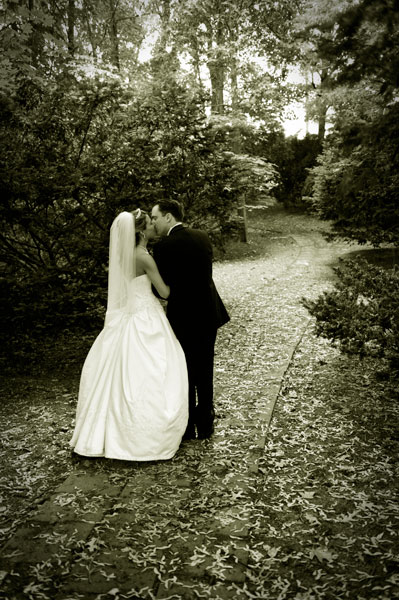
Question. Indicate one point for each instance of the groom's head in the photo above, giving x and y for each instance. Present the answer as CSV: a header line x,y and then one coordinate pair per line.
x,y
165,214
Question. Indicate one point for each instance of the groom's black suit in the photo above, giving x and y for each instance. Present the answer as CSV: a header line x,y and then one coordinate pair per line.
x,y
195,311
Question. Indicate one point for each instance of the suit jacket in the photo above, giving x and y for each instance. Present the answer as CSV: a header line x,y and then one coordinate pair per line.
x,y
184,259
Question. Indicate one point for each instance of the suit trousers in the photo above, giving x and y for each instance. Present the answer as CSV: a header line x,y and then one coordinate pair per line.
x,y
199,350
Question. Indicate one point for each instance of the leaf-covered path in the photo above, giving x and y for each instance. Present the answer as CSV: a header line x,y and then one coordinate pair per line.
x,y
258,511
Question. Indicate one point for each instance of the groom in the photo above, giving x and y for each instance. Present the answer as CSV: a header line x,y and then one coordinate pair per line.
x,y
195,309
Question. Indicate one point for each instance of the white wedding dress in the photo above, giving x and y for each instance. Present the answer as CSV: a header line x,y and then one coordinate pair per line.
x,y
133,395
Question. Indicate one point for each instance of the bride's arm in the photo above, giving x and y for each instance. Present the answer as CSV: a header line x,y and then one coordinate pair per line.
x,y
150,267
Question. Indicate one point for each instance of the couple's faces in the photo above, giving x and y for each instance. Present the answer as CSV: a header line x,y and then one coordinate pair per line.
x,y
160,221
149,229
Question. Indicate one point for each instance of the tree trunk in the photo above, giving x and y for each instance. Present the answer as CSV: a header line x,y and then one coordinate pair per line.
x,y
216,72
322,122
35,38
197,68
216,66
87,11
236,139
322,106
71,27
234,77
165,24
236,134
114,35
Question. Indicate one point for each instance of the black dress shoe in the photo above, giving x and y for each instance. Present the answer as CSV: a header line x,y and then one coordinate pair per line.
x,y
204,419
204,434
189,434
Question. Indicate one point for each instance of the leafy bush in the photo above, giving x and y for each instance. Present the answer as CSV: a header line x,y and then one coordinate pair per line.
x,y
294,165
356,180
74,154
293,158
362,313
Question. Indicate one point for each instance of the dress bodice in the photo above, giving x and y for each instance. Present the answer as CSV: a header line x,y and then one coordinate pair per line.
x,y
140,299
141,282
140,295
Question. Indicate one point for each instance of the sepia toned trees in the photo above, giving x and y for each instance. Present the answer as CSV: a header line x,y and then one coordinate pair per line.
x,y
106,105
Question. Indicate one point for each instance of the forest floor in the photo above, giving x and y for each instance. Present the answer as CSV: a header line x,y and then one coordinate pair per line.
x,y
293,497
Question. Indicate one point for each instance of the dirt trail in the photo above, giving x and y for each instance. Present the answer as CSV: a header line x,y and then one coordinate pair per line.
x,y
179,529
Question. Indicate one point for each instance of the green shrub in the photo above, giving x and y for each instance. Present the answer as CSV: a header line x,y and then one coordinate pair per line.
x,y
291,157
361,314
83,150
293,160
355,183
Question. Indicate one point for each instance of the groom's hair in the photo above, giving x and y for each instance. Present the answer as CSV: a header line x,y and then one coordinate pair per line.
x,y
173,207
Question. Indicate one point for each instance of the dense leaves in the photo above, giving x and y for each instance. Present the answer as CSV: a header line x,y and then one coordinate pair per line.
x,y
356,182
366,44
229,41
76,158
294,158
328,497
362,312
88,130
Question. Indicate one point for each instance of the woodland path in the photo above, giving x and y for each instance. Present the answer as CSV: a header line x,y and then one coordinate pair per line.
x,y
180,529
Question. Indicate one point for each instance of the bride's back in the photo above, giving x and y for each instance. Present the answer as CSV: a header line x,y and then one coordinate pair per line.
x,y
140,270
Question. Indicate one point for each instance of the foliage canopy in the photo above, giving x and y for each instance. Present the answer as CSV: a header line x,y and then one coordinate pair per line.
x,y
89,130
356,180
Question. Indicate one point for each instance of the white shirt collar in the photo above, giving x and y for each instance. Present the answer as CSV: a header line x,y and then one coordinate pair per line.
x,y
175,225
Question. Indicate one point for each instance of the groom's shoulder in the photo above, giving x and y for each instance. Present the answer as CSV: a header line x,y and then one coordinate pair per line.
x,y
184,235
200,236
190,236
199,233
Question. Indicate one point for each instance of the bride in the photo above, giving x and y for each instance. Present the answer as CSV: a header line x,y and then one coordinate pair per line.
x,y
133,394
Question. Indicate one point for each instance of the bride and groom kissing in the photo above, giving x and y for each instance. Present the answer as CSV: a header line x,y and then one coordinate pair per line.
x,y
147,381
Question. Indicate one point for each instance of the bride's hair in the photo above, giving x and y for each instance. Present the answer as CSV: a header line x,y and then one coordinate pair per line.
x,y
140,220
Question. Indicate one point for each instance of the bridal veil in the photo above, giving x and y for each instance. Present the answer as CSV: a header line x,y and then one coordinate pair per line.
x,y
121,269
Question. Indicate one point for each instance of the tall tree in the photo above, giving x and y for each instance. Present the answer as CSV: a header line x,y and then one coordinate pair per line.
x,y
356,182
225,37
113,33
71,27
315,26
